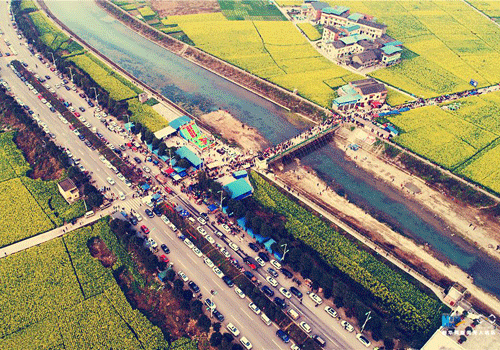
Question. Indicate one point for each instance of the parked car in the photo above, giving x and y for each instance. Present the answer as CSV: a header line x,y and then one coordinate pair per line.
x,y
194,287
272,272
268,291
149,213
296,292
283,336
264,256
228,281
165,248
286,273
144,229
254,247
218,315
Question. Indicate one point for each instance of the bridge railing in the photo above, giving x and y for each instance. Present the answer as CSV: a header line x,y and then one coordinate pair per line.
x,y
288,150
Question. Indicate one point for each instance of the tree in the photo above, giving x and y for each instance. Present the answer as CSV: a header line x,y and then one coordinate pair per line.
x,y
388,343
170,275
256,224
162,149
215,338
249,215
187,295
93,197
156,142
237,347
204,323
196,309
266,230
216,327
183,163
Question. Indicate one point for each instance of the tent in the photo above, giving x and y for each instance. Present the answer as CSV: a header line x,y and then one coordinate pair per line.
x,y
193,159
145,187
212,207
165,132
239,189
268,245
178,122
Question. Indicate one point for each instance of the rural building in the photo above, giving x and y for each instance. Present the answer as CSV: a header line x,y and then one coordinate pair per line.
x,y
455,294
68,190
312,9
360,94
365,59
391,54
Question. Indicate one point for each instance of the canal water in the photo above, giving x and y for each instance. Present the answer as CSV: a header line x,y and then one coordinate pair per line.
x,y
187,83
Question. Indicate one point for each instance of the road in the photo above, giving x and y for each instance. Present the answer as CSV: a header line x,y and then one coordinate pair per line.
x,y
232,307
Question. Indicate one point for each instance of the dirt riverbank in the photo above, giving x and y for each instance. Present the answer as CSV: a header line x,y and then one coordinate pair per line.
x,y
234,131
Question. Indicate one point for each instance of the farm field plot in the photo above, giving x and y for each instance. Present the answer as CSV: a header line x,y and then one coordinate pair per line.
x,y
46,307
104,77
453,44
441,136
28,206
309,30
483,168
250,10
50,34
146,115
275,51
489,8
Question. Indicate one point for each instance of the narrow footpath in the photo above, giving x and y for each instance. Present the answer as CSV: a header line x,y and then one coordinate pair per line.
x,y
57,232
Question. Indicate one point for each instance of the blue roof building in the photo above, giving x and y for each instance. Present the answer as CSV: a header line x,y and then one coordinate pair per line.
x,y
186,153
239,174
177,123
337,10
389,49
239,189
355,16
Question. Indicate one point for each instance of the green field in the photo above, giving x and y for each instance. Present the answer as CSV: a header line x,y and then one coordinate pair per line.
x,y
146,115
275,51
490,8
103,76
28,206
50,34
56,296
452,42
465,140
146,12
258,10
310,30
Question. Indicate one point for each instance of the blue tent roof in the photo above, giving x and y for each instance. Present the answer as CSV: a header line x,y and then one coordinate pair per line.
x,y
177,123
212,207
128,126
178,169
156,196
268,245
150,146
186,153
239,174
145,186
239,189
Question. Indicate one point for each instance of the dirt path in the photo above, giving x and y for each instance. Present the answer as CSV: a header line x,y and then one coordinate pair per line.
x,y
234,131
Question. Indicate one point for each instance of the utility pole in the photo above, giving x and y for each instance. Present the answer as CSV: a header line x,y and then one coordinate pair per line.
x,y
96,95
53,59
71,73
367,319
221,197
85,203
284,250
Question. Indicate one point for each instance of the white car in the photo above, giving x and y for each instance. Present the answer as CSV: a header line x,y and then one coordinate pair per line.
x,y
246,344
347,326
272,281
316,298
110,181
225,253
201,220
197,252
232,328
164,219
121,195
120,176
209,239
183,276
254,308
294,347
188,243
218,234
234,247
102,159
226,228
275,264
172,227
330,311
239,292
218,272
201,230
209,262
285,293
305,327
138,217
362,339
261,262
146,169
152,243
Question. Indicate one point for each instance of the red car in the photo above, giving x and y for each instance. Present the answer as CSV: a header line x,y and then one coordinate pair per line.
x,y
144,229
76,114
169,191
71,127
164,258
40,97
52,69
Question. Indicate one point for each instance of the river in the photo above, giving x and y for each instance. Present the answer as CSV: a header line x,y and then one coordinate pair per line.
x,y
185,82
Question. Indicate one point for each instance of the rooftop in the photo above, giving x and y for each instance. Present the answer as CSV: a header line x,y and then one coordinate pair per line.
x,y
351,28
239,188
389,49
347,99
355,16
177,123
67,185
349,40
319,5
337,10
186,153
372,24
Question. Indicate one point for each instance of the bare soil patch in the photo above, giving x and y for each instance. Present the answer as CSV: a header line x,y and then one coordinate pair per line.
x,y
235,131
99,250
184,7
